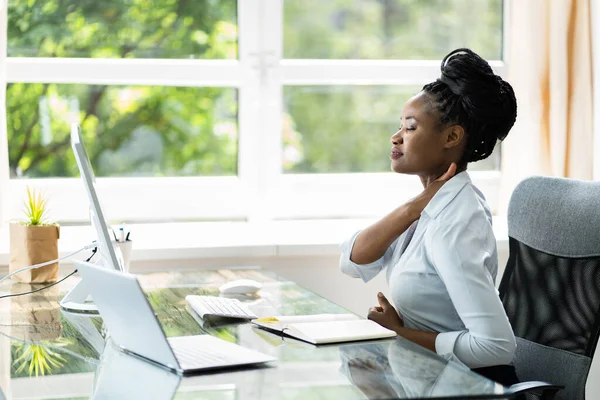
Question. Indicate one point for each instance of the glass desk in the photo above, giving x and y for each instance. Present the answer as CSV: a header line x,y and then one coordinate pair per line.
x,y
46,353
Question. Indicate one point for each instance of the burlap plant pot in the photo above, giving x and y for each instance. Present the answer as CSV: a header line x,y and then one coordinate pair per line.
x,y
31,245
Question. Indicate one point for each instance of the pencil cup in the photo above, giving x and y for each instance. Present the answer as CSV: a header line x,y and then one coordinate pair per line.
x,y
126,247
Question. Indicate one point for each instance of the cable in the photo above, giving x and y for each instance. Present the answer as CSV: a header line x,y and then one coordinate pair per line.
x,y
87,247
37,290
52,284
93,254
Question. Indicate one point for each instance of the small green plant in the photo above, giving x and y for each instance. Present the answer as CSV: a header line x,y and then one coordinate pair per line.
x,y
38,358
36,208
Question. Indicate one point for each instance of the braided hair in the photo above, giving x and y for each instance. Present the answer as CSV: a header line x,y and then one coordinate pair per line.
x,y
468,93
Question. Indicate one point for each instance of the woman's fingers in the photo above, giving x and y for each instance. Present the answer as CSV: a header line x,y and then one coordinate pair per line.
x,y
374,312
383,302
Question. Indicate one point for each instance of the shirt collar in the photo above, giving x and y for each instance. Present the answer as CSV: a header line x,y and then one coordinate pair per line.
x,y
446,194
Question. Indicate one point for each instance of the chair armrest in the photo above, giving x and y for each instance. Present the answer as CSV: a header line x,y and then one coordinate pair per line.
x,y
545,390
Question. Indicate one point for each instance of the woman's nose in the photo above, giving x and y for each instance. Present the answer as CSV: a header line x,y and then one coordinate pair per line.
x,y
397,137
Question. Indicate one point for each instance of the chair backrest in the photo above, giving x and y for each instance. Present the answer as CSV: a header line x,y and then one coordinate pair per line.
x,y
551,286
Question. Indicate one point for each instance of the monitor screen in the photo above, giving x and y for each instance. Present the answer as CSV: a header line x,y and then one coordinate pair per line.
x,y
111,255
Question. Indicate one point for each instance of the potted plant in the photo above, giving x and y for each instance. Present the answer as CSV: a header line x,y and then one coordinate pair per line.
x,y
34,241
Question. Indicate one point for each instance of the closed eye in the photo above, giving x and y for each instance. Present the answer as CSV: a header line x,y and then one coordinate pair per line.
x,y
408,128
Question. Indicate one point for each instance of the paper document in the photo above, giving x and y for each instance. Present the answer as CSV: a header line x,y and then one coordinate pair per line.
x,y
326,328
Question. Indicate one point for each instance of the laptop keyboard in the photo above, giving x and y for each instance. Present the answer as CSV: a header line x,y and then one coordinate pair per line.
x,y
204,351
201,358
219,307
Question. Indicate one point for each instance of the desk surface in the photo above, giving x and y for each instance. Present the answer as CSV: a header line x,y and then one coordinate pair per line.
x,y
49,354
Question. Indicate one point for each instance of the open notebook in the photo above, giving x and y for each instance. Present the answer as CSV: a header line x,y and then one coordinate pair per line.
x,y
325,328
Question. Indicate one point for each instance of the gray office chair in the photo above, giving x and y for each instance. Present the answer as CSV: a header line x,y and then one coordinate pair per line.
x,y
551,286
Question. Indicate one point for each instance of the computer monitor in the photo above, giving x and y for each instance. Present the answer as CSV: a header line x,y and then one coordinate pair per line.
x,y
110,254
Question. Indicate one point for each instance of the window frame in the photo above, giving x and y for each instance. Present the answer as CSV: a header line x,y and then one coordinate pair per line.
x,y
260,191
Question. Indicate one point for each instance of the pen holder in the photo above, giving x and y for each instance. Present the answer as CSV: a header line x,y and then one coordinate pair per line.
x,y
126,247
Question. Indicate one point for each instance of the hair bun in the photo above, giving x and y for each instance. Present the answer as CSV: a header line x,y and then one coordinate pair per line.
x,y
464,72
508,104
469,93
453,85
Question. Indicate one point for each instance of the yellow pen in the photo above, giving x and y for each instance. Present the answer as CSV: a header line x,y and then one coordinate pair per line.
x,y
266,319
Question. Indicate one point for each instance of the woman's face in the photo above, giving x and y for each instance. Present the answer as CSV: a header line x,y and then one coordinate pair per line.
x,y
418,148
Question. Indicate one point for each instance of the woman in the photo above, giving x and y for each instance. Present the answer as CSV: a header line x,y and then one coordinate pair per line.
x,y
439,248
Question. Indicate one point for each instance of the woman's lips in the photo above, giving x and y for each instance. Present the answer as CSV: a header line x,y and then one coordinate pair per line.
x,y
395,154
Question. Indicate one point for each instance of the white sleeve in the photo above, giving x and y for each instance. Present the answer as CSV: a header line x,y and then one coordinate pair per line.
x,y
364,271
459,255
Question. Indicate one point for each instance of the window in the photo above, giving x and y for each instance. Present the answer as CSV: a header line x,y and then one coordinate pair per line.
x,y
217,109
129,130
203,29
390,29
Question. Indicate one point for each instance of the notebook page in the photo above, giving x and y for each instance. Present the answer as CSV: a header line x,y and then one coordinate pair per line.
x,y
316,318
281,322
339,331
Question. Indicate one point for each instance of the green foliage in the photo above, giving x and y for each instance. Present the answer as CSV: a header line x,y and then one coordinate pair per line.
x,y
348,128
123,28
128,130
391,29
193,131
36,208
352,133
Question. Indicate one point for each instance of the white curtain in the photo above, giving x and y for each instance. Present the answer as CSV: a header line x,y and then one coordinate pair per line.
x,y
550,67
3,137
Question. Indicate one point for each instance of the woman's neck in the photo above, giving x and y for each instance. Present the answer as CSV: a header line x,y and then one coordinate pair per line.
x,y
427,179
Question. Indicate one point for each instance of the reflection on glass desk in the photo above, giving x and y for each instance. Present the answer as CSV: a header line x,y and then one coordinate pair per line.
x,y
404,370
121,376
46,353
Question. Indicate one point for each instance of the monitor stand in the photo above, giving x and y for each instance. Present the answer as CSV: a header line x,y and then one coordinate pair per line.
x,y
79,300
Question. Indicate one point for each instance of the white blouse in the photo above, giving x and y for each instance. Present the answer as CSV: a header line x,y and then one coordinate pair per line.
x,y
443,281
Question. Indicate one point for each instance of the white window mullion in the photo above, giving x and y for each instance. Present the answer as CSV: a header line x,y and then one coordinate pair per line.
x,y
364,72
102,71
249,122
268,133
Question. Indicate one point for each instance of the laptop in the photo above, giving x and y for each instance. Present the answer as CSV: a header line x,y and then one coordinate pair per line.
x,y
133,326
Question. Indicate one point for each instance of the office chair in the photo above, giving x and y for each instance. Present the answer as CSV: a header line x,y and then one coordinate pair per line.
x,y
551,286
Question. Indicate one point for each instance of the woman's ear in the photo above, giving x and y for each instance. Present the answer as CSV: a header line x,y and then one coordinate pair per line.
x,y
453,136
